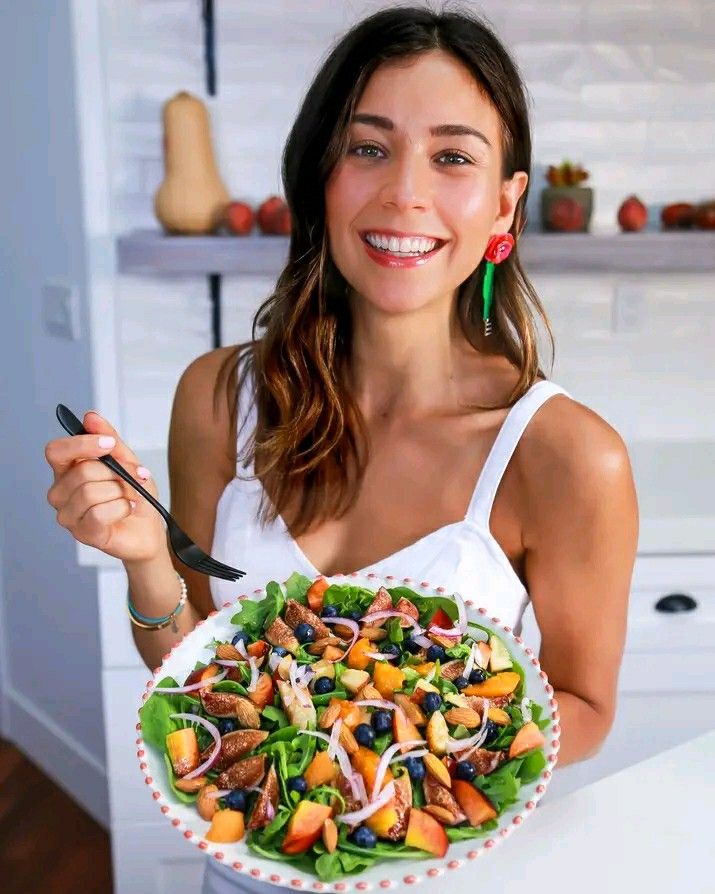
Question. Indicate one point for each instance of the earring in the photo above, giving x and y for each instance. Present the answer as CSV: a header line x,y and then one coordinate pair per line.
x,y
498,249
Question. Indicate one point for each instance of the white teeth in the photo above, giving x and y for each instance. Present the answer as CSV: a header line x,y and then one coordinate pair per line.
x,y
411,246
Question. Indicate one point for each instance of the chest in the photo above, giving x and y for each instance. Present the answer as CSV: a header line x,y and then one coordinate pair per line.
x,y
415,484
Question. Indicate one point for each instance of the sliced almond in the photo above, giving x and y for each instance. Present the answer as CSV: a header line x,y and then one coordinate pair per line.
x,y
320,645
440,813
368,691
374,634
330,835
228,651
330,715
464,716
411,709
191,785
348,740
500,717
437,769
247,714
207,806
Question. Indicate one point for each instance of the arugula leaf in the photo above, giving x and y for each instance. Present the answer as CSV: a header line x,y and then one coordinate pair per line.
x,y
275,715
460,833
426,605
255,617
502,786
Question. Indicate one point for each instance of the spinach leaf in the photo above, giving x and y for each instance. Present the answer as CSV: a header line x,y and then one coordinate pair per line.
x,y
297,587
255,617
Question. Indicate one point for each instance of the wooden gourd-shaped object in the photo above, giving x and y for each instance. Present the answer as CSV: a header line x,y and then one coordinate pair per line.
x,y
192,197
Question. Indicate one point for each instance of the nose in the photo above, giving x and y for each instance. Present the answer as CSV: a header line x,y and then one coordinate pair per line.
x,y
406,184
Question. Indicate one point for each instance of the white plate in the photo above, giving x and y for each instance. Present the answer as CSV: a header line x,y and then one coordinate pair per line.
x,y
385,875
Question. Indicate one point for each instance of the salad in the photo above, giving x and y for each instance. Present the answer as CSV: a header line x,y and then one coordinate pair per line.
x,y
339,726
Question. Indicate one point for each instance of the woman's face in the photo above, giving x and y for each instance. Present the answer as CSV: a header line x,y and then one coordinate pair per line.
x,y
399,176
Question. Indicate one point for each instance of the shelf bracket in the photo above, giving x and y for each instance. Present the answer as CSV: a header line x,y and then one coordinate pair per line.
x,y
215,296
207,13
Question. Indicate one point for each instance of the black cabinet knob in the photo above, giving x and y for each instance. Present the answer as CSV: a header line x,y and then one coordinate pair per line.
x,y
676,602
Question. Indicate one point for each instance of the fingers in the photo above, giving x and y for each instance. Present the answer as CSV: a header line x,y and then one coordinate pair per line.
x,y
97,525
98,425
85,498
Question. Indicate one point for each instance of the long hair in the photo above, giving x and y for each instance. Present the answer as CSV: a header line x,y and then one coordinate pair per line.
x,y
310,438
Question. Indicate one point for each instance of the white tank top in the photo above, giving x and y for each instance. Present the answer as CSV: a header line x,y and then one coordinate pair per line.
x,y
462,556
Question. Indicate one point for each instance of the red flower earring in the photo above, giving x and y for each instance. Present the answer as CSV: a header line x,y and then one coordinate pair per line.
x,y
498,249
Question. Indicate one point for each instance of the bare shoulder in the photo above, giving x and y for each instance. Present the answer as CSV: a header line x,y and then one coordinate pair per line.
x,y
570,458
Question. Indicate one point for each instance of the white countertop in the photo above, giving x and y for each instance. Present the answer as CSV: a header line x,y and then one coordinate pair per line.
x,y
675,482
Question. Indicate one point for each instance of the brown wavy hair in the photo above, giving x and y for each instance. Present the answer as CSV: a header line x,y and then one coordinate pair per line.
x,y
310,439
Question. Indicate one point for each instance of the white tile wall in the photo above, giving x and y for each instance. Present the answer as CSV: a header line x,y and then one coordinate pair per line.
x,y
627,88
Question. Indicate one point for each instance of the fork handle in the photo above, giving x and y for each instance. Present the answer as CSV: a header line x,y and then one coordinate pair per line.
x,y
73,426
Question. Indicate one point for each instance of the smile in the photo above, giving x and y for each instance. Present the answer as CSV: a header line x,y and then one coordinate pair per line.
x,y
397,259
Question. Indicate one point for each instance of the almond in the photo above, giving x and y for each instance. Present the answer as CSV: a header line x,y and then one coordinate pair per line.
x,y
206,806
374,634
435,766
330,715
368,691
320,645
191,785
348,740
466,716
330,835
226,650
500,717
440,813
247,714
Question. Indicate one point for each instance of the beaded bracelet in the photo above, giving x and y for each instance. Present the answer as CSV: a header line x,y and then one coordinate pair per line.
x,y
158,623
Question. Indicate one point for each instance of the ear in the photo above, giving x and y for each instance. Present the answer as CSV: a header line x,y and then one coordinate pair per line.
x,y
511,192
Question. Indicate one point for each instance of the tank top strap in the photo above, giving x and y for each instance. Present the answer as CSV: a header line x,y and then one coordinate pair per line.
x,y
504,445
246,417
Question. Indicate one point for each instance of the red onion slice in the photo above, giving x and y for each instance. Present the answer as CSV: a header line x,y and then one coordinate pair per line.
x,y
254,675
423,641
473,742
470,661
334,736
215,734
420,752
461,625
270,810
228,662
342,756
240,647
359,782
273,661
378,703
221,793
298,689
357,816
348,622
374,616
385,760
380,656
193,686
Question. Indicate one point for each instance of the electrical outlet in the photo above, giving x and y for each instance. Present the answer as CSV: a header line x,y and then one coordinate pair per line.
x,y
628,307
60,309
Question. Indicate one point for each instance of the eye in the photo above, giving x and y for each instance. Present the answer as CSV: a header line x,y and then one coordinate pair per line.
x,y
354,150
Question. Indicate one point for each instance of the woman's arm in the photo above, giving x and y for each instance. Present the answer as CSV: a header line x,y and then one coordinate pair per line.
x,y
580,537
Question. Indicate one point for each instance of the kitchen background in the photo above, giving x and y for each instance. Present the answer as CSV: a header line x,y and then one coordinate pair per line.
x,y
625,88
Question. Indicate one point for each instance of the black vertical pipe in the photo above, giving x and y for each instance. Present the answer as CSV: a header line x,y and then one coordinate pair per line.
x,y
209,46
215,294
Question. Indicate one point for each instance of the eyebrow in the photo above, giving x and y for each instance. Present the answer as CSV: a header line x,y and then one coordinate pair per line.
x,y
439,130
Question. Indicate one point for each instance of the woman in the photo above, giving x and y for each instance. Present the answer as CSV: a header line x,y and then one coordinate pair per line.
x,y
379,398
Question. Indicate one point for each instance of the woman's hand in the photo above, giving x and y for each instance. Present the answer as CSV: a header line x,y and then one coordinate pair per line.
x,y
94,504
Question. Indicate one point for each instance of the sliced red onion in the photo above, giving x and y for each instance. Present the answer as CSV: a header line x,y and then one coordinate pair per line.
x,y
215,734
380,656
270,810
473,742
478,635
342,756
253,788
385,760
298,689
423,641
221,793
228,662
374,616
359,782
379,703
525,708
334,737
193,686
254,675
459,628
240,647
348,622
357,816
429,676
420,752
470,661
273,661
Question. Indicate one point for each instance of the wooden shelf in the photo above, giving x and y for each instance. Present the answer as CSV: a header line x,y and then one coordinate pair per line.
x,y
689,251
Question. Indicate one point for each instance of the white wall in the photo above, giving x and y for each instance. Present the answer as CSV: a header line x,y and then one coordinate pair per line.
x,y
626,88
49,613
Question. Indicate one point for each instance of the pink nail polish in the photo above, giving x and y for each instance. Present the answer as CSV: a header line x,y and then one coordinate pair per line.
x,y
143,473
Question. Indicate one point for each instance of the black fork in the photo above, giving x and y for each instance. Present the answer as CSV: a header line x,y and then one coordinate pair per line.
x,y
184,547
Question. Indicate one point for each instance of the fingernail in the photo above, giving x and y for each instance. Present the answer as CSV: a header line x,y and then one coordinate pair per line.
x,y
143,473
133,504
106,441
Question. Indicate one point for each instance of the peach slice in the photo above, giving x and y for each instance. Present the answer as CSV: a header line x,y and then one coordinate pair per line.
x,y
226,827
305,826
332,653
403,729
387,679
322,770
315,594
425,833
202,673
183,748
365,761
500,684
528,738
358,659
477,808
264,691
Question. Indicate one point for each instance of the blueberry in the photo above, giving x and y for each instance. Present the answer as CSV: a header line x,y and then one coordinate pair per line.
x,y
382,722
297,784
415,768
477,675
280,651
241,636
411,646
436,653
460,682
304,633
492,731
227,725
465,770
329,611
364,837
431,702
391,649
364,735
323,685
236,800
354,615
